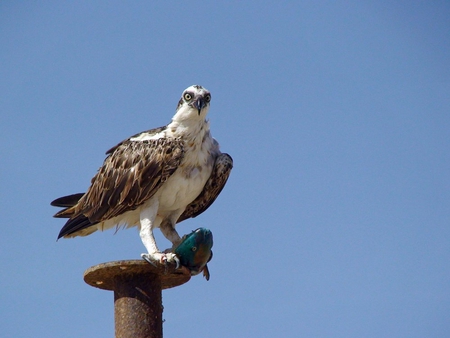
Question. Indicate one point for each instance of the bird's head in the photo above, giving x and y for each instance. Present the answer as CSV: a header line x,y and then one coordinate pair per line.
x,y
193,104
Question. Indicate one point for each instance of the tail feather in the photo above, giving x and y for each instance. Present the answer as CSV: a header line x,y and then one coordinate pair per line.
x,y
67,201
75,223
64,213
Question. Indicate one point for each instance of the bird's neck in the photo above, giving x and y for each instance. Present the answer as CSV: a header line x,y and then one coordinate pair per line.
x,y
193,130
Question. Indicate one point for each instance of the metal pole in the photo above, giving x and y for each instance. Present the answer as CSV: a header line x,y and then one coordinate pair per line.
x,y
137,287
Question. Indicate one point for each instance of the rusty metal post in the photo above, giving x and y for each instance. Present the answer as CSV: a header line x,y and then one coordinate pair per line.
x,y
137,287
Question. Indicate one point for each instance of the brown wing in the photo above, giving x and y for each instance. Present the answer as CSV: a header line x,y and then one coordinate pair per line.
x,y
213,187
130,175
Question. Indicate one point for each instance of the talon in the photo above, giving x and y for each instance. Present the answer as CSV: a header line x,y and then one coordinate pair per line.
x,y
146,257
171,257
177,260
162,258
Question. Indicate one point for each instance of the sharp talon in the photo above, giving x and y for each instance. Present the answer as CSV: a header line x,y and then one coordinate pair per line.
x,y
176,259
146,258
163,259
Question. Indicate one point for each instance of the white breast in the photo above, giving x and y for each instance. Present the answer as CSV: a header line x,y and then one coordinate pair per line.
x,y
184,186
181,189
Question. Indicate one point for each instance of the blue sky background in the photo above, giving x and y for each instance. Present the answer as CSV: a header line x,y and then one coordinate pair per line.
x,y
335,220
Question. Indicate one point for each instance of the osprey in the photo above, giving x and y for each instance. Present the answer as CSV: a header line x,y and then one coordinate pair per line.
x,y
154,179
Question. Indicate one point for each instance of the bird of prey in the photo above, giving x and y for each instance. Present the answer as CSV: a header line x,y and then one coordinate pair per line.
x,y
154,179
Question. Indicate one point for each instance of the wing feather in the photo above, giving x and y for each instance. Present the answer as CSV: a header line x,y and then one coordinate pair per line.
x,y
130,175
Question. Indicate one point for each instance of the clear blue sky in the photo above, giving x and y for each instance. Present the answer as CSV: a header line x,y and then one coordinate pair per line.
x,y
335,220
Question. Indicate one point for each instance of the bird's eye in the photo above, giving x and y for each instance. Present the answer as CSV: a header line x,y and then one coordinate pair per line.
x,y
187,96
194,248
208,98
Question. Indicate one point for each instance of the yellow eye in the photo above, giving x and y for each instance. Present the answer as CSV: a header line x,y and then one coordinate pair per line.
x,y
194,248
208,98
187,96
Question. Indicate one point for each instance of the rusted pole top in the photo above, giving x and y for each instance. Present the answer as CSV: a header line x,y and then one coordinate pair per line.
x,y
137,287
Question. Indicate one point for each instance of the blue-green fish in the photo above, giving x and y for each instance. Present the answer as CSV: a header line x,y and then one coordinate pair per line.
x,y
195,251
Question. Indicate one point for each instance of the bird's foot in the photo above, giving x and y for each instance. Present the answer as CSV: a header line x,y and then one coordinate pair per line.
x,y
162,258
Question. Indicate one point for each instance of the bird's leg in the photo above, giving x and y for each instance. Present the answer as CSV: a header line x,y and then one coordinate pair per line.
x,y
168,230
147,222
170,233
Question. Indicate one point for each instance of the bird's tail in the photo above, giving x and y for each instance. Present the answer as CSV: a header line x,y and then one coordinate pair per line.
x,y
66,202
77,222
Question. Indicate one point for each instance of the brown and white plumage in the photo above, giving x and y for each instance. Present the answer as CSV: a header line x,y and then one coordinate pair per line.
x,y
156,178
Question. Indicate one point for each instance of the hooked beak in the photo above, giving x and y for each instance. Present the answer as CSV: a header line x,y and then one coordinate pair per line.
x,y
199,103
